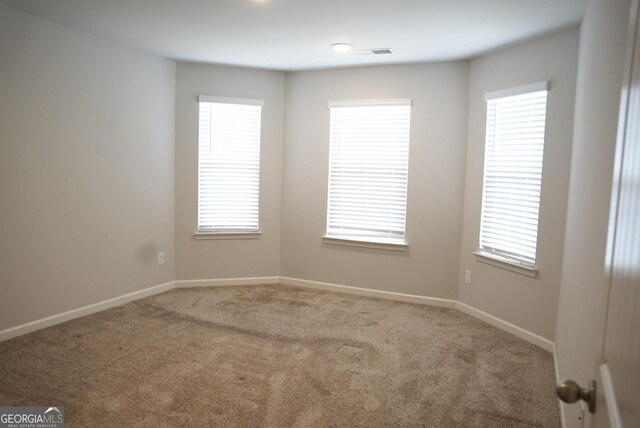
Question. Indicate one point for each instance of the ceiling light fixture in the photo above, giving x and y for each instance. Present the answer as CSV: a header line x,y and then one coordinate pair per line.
x,y
341,47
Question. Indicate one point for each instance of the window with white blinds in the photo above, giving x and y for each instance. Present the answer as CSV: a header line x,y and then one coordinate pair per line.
x,y
368,168
229,164
513,173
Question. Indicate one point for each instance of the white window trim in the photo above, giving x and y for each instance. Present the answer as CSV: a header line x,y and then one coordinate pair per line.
x,y
369,243
231,100
367,103
482,255
208,234
513,266
203,236
518,90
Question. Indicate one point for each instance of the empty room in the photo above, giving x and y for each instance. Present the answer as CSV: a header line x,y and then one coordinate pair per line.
x,y
287,213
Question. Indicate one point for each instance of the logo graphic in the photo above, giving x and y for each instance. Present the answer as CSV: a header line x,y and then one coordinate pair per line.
x,y
32,417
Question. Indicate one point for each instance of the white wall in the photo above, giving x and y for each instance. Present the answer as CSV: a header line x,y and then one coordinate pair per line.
x,y
215,259
87,191
436,178
530,303
583,294
86,169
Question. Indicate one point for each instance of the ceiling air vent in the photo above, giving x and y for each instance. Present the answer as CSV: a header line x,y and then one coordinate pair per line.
x,y
377,51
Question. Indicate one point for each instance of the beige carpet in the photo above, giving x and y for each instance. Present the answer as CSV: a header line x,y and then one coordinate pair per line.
x,y
280,356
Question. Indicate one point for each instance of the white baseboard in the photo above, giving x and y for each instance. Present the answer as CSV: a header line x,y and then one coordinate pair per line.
x,y
389,295
368,292
85,310
227,281
530,337
431,301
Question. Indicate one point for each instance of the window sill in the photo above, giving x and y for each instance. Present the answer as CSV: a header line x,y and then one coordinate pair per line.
x,y
201,236
392,246
505,264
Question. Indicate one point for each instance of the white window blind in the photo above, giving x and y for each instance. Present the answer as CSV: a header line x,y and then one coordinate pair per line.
x,y
229,164
513,172
368,168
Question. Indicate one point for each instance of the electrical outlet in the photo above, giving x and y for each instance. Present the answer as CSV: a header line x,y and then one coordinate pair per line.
x,y
161,258
467,277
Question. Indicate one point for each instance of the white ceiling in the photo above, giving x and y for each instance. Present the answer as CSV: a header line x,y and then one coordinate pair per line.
x,y
296,34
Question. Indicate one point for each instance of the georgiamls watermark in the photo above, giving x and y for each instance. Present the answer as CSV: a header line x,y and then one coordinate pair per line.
x,y
32,417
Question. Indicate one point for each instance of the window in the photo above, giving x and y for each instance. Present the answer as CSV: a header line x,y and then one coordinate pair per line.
x,y
229,165
513,173
368,167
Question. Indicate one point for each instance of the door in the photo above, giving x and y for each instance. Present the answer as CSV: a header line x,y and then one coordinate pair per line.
x,y
614,400
618,379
